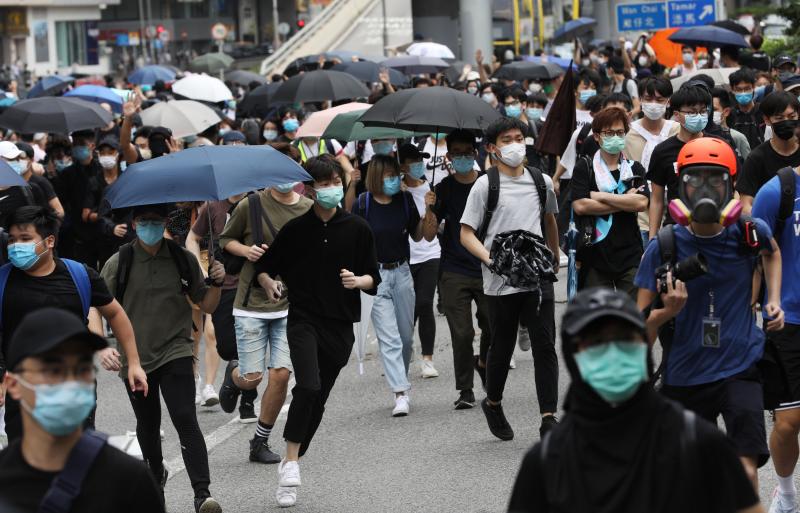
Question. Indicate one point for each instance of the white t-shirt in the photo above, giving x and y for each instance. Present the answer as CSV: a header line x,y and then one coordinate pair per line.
x,y
582,117
423,250
633,92
442,166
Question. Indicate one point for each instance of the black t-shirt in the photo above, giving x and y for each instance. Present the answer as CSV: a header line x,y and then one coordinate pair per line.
x,y
44,185
451,199
391,224
15,197
71,186
116,482
621,249
761,165
662,165
751,124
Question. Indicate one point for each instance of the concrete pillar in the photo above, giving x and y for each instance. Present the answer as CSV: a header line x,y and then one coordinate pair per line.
x,y
475,17
606,27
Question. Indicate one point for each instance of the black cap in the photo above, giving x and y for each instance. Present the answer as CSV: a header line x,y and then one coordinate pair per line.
x,y
595,303
27,148
43,330
790,82
410,151
782,59
109,141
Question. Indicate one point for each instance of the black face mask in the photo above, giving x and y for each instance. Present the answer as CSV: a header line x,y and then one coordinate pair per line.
x,y
784,129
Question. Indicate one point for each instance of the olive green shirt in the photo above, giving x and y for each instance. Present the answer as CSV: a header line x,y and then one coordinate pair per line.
x,y
238,228
159,312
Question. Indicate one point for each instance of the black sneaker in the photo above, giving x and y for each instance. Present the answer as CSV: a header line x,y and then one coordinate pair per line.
x,y
496,419
465,401
206,505
481,371
229,392
247,412
260,451
548,423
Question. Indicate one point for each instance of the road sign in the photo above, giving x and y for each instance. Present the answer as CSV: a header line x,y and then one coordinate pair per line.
x,y
164,36
219,31
283,28
150,31
650,16
691,13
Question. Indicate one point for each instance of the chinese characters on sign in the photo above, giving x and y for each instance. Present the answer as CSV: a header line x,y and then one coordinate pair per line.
x,y
661,15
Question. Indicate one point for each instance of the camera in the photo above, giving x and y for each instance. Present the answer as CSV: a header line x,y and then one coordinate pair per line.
x,y
687,269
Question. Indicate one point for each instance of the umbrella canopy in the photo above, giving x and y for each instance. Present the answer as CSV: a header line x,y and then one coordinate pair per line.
x,y
430,49
320,85
347,55
565,64
242,77
523,70
204,174
259,101
708,36
574,28
732,26
430,109
183,117
415,65
149,75
211,63
368,71
317,122
202,87
347,127
50,86
720,76
9,177
310,63
54,115
97,94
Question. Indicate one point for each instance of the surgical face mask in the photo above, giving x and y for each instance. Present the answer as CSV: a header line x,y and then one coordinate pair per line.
x,y
534,114
270,135
643,61
594,59
290,125
744,98
613,145
688,59
150,232
223,131
146,153
586,94
488,97
513,111
759,91
615,370
472,90
785,129
654,111
702,63
62,164
23,254
439,136
391,185
548,88
80,153
534,87
382,147
717,117
512,154
329,197
463,164
107,161
60,408
695,123
585,62
19,166
285,187
416,169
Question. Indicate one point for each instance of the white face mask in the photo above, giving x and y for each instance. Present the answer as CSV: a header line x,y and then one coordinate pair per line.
x,y
717,117
654,111
642,61
688,59
512,154
107,161
534,87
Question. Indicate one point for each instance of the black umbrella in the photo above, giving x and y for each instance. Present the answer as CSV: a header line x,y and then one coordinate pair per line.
x,y
368,71
54,115
709,37
731,25
242,77
309,63
453,73
320,85
574,28
259,101
524,70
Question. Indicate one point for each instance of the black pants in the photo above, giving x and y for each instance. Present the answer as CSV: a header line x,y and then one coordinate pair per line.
x,y
175,381
505,315
319,348
425,276
564,208
458,292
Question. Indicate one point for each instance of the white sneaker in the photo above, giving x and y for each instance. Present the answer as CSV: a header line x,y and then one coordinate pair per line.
x,y
782,503
288,474
209,397
428,370
401,406
198,386
512,364
286,496
524,339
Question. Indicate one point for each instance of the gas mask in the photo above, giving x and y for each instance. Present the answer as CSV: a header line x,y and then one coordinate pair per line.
x,y
706,196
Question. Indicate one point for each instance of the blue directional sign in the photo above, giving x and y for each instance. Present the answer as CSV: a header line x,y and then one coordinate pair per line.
x,y
691,13
661,15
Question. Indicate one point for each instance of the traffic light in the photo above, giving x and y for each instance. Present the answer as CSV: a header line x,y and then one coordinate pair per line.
x,y
160,29
301,23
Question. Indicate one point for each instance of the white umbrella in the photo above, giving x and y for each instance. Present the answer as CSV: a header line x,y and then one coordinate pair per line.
x,y
720,76
428,49
202,87
183,117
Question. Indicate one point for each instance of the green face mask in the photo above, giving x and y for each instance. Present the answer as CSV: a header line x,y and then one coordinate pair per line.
x,y
615,370
547,88
613,145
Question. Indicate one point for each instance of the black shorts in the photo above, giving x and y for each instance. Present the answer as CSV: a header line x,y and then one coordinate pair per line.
x,y
787,343
740,401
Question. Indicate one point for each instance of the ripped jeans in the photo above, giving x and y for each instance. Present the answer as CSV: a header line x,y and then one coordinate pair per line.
x,y
255,337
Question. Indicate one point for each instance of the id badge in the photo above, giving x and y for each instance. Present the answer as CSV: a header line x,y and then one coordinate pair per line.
x,y
711,332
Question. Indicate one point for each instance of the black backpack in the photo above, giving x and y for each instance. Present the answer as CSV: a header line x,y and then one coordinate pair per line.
x,y
788,192
126,261
493,175
234,263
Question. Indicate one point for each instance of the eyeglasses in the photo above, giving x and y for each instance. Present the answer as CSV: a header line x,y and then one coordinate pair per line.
x,y
612,133
694,112
60,373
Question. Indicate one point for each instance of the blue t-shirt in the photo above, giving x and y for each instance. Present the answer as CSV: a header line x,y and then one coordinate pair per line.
x,y
391,224
765,207
730,277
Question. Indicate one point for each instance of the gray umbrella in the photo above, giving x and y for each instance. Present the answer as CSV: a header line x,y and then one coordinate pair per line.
x,y
523,70
415,65
54,115
183,117
242,77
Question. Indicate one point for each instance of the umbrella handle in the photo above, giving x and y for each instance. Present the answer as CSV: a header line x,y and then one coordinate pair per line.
x,y
435,149
210,248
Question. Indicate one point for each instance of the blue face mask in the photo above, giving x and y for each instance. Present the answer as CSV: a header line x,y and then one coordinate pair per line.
x,y
285,187
614,370
695,123
23,254
62,164
416,169
150,232
744,98
586,94
60,408
534,114
463,164
18,167
759,91
330,197
391,185
270,135
290,125
80,153
513,111
382,147
223,131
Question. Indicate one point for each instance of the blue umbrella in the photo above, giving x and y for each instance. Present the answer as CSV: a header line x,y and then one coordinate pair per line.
x,y
97,94
572,267
9,177
206,173
6,99
49,86
708,36
574,28
555,59
150,74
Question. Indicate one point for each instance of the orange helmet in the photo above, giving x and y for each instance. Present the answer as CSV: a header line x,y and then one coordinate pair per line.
x,y
707,151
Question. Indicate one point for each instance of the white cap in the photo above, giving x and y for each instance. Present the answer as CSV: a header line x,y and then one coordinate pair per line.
x,y
38,136
473,75
9,150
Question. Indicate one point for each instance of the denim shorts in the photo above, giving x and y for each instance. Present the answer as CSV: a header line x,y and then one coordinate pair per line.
x,y
255,337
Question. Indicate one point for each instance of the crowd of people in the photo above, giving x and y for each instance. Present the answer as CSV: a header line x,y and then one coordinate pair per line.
x,y
675,208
